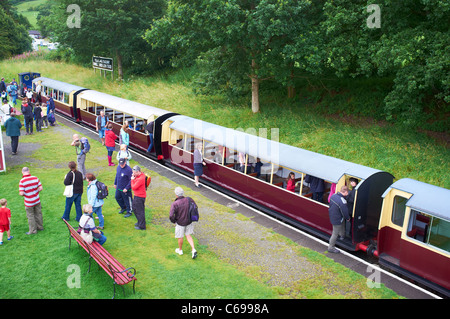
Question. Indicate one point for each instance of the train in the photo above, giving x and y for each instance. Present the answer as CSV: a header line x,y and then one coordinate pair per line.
x,y
404,223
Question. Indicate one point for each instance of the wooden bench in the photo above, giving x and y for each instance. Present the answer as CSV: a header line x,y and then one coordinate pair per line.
x,y
120,275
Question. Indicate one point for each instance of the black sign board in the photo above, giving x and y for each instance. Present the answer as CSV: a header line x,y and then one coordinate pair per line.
x,y
102,63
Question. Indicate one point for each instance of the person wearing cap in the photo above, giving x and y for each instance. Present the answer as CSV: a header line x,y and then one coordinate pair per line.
x,y
122,184
138,188
179,215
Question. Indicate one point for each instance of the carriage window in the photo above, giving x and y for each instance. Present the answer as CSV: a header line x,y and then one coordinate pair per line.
x,y
180,140
418,227
261,169
98,109
109,113
430,230
213,152
440,234
118,117
398,210
140,126
66,98
191,143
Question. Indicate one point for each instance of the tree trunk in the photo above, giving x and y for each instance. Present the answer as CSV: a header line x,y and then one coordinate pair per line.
x,y
291,87
119,65
255,89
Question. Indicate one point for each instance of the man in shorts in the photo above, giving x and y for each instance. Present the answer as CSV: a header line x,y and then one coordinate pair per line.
x,y
179,214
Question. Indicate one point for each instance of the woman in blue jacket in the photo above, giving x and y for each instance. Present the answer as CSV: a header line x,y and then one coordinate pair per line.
x,y
96,203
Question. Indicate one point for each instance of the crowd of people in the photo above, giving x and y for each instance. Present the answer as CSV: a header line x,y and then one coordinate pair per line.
x,y
36,113
130,186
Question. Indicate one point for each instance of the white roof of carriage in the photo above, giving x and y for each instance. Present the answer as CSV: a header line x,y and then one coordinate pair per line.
x,y
426,198
122,105
58,85
328,168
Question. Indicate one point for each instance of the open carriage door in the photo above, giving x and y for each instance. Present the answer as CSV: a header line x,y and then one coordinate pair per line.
x,y
76,114
158,132
368,206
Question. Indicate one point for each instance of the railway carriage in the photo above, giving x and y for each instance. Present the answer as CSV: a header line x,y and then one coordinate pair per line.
x,y
63,94
414,232
90,103
405,224
222,148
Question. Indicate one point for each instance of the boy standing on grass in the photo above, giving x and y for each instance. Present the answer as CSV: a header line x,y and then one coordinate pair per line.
x,y
5,220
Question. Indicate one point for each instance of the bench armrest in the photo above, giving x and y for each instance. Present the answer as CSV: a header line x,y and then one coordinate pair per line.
x,y
129,273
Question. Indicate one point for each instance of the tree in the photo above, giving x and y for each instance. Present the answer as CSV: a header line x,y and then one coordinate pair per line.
x,y
411,44
108,28
14,38
234,39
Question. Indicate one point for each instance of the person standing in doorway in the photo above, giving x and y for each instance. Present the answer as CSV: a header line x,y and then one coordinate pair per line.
x,y
338,212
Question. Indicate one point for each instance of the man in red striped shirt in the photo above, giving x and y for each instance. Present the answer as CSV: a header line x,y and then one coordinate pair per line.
x,y
29,188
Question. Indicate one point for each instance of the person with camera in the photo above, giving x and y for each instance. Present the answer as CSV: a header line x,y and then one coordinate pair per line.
x,y
81,152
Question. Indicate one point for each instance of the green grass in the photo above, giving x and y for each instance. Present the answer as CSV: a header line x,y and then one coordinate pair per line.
x,y
36,266
23,8
404,152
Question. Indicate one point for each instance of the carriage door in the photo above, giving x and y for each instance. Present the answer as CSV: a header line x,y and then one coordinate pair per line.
x,y
368,206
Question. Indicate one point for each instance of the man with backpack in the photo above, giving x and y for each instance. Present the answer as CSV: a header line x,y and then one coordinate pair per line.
x,y
82,147
180,215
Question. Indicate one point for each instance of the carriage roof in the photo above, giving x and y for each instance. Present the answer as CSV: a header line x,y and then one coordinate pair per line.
x,y
122,105
311,163
425,197
58,85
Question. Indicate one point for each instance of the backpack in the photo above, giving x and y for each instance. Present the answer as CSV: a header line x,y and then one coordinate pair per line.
x,y
102,190
85,146
148,180
193,210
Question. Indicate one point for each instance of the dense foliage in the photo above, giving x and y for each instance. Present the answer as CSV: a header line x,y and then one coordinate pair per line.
x,y
256,39
108,28
14,37
236,45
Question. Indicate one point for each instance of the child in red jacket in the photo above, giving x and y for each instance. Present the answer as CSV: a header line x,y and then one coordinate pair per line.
x,y
110,144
